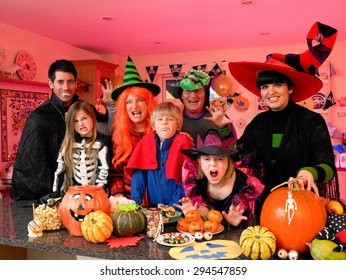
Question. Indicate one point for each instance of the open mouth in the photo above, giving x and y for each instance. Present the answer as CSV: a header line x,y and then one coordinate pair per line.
x,y
214,173
78,218
136,113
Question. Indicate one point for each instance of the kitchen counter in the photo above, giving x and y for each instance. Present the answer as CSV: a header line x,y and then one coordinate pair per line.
x,y
15,216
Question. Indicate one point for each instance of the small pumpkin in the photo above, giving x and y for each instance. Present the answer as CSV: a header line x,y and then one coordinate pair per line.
x,y
128,220
192,216
321,249
196,226
78,202
257,243
211,226
97,226
183,225
298,226
215,216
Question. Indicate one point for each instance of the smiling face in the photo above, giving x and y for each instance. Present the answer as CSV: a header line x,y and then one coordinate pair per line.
x,y
83,124
276,95
165,126
136,109
64,86
193,101
214,167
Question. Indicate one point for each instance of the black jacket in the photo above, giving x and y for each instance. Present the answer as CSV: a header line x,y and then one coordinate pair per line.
x,y
36,159
306,143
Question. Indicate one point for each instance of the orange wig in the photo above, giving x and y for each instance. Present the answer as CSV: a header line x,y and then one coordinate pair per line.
x,y
122,143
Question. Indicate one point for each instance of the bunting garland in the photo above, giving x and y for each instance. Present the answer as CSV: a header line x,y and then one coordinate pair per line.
x,y
152,70
330,101
175,70
215,71
200,67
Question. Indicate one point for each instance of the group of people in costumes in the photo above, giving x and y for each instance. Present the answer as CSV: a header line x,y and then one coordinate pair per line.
x,y
187,159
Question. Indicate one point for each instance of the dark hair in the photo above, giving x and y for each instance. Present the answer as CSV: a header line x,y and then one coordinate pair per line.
x,y
62,65
270,77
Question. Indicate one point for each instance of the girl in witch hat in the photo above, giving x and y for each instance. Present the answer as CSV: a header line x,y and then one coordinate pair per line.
x,y
217,183
134,104
290,141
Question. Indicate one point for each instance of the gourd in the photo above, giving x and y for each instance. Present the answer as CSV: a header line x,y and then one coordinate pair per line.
x,y
257,243
128,220
321,249
97,226
293,229
78,202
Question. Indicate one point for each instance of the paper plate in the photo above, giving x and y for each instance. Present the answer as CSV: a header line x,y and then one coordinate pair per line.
x,y
160,239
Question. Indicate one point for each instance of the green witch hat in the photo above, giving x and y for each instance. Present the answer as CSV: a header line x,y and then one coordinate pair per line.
x,y
132,78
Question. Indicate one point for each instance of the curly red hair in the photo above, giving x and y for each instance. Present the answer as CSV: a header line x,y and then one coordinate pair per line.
x,y
122,143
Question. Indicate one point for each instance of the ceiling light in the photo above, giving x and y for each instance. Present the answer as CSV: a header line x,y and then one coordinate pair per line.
x,y
107,18
246,2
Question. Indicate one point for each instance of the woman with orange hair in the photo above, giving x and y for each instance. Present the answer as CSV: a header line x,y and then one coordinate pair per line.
x,y
134,104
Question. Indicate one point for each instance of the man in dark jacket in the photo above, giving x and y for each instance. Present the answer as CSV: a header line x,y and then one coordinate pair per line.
x,y
44,130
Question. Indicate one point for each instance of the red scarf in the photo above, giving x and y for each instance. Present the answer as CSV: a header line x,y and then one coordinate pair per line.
x,y
144,156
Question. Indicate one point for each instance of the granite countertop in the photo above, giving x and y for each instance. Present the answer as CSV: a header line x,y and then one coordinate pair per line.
x,y
15,216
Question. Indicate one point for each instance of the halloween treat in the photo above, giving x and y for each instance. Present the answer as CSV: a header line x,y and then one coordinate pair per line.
x,y
48,216
35,228
168,211
153,221
175,238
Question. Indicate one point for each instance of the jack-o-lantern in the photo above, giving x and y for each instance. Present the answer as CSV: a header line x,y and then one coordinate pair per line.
x,y
80,201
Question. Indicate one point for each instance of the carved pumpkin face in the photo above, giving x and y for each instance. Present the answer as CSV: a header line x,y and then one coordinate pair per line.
x,y
80,201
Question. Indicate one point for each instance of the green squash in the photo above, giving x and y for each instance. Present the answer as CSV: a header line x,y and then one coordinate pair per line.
x,y
321,249
128,220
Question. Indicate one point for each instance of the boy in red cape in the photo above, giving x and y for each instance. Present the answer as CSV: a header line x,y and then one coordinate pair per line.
x,y
156,163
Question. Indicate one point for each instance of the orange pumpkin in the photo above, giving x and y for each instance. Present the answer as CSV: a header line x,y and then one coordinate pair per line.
x,y
192,216
215,216
183,225
97,227
78,202
293,226
196,226
211,226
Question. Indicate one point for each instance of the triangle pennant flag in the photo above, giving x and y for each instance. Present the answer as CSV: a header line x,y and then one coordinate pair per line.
x,y
175,70
215,71
330,101
152,70
200,67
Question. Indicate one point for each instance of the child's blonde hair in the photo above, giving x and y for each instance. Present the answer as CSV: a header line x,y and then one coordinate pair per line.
x,y
69,140
167,109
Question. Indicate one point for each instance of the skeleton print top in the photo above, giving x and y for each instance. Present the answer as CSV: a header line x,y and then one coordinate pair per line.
x,y
90,165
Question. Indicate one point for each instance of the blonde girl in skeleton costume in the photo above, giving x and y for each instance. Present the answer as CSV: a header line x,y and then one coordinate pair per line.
x,y
84,155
